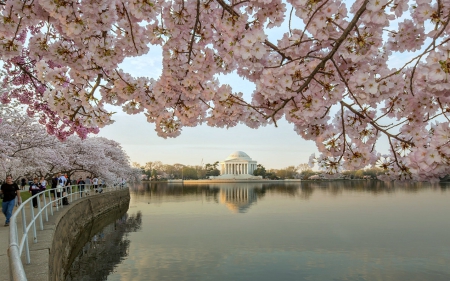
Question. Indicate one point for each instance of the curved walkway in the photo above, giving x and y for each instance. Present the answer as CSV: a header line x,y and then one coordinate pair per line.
x,y
4,244
39,252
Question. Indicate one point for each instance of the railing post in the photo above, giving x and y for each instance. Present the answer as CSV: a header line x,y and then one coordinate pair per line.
x,y
45,205
51,201
34,223
61,198
25,233
41,224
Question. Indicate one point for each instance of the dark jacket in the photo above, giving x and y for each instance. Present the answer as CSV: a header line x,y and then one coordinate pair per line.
x,y
54,182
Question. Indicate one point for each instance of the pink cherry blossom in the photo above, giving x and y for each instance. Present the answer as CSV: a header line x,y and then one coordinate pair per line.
x,y
61,61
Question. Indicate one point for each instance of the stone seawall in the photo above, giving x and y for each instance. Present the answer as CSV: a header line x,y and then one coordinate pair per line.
x,y
76,224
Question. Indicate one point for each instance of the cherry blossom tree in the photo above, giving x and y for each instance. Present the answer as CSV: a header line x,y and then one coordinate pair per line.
x,y
328,75
25,147
27,150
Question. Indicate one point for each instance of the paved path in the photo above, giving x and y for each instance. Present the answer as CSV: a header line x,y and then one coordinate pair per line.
x,y
4,243
47,233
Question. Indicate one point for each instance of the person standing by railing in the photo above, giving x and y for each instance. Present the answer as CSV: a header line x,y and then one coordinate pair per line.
x,y
35,188
62,181
23,182
54,186
43,183
81,186
9,190
95,183
88,184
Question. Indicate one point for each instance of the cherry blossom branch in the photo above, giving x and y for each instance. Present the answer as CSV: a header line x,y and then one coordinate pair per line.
x,y
343,133
374,124
230,10
197,20
131,27
312,16
443,110
338,43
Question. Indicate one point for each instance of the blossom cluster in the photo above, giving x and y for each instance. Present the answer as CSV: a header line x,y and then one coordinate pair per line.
x,y
62,57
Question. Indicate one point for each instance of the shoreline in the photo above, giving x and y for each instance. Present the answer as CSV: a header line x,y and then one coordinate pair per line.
x,y
229,181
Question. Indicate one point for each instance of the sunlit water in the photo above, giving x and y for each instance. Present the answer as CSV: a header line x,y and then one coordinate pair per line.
x,y
345,230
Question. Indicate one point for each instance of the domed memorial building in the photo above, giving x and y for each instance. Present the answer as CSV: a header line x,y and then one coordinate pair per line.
x,y
238,165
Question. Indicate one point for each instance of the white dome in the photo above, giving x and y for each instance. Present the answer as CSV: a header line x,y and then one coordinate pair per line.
x,y
238,155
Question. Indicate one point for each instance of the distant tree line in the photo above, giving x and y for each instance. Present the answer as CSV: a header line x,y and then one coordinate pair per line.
x,y
369,173
157,170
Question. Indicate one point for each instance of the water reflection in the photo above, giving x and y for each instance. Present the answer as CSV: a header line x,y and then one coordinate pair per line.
x,y
239,197
104,250
341,230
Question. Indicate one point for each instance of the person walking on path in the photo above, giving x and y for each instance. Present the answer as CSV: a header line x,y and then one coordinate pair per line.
x,y
54,186
9,190
68,184
95,183
23,182
88,184
81,186
43,183
62,181
35,188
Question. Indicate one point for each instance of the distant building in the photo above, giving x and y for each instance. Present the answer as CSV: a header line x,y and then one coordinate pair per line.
x,y
238,165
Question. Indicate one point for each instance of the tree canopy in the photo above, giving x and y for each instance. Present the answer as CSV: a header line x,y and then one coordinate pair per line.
x,y
329,74
26,150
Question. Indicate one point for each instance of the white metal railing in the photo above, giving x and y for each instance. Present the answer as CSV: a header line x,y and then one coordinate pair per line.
x,y
18,242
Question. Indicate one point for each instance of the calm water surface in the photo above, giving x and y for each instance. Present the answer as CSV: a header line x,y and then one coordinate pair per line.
x,y
349,230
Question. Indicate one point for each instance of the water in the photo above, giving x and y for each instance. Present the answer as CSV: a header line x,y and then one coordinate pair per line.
x,y
342,230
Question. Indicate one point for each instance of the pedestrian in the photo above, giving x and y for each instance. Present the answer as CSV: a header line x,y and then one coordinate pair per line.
x,y
81,186
23,182
9,190
54,187
35,188
43,183
95,183
68,184
61,186
88,184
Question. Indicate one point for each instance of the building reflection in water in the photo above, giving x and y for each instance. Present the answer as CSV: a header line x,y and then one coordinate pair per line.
x,y
107,248
240,197
237,199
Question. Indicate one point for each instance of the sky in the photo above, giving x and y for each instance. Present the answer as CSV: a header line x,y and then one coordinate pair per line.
x,y
270,146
